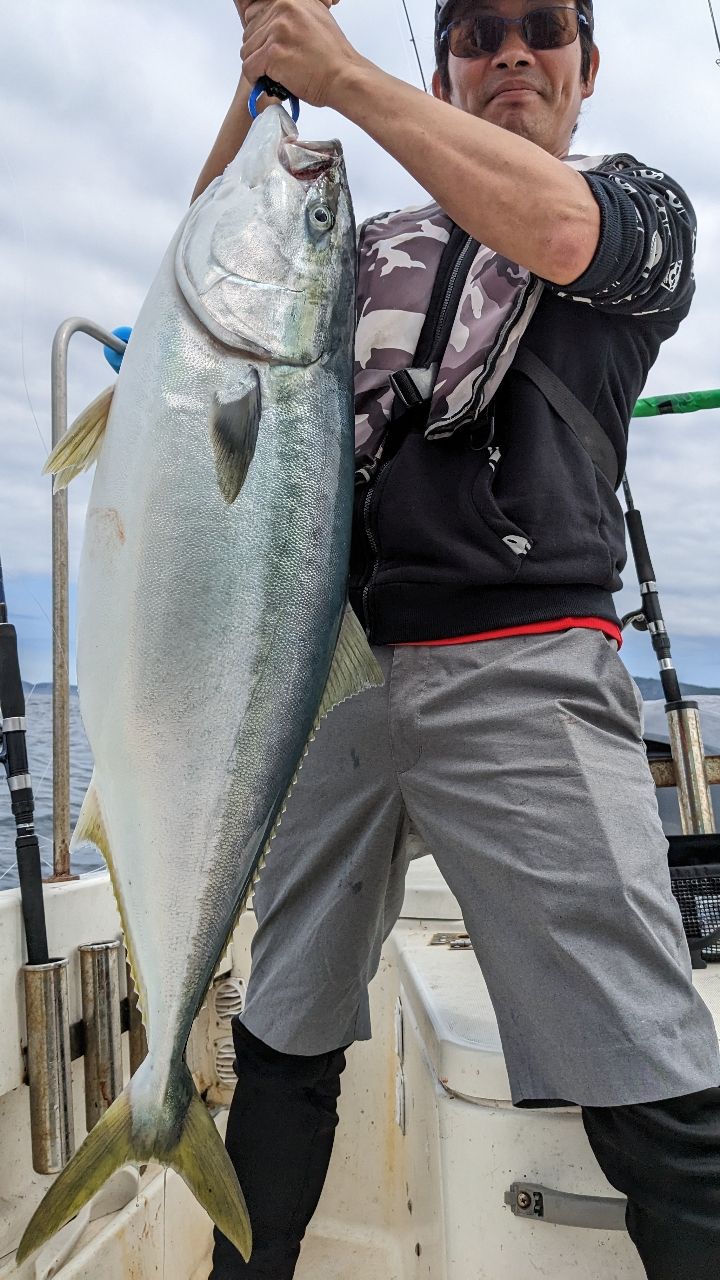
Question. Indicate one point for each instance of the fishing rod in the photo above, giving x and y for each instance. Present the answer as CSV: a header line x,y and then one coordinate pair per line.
x,y
415,45
687,402
715,27
684,727
13,754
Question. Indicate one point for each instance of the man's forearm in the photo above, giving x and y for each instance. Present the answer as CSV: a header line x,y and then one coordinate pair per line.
x,y
505,191
233,132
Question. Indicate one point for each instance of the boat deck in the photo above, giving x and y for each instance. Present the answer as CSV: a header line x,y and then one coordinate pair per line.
x,y
326,1257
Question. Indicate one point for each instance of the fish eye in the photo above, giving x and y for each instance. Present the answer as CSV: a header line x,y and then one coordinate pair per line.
x,y
321,218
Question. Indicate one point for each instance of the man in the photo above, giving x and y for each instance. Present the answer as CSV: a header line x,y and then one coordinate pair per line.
x,y
487,548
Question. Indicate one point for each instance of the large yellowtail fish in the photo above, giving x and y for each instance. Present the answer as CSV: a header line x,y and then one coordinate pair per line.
x,y
213,633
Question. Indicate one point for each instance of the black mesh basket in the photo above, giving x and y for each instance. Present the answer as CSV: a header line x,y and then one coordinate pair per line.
x,y
695,878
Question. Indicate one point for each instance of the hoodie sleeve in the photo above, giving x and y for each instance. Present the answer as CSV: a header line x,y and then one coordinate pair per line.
x,y
645,258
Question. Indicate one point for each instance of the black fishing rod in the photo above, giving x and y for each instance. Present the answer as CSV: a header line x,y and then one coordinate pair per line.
x,y
683,715
13,754
650,618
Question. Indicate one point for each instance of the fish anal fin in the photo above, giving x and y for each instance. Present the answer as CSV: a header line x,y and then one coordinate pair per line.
x,y
234,428
91,827
81,444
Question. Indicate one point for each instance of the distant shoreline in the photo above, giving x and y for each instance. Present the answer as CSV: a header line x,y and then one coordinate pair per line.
x,y
43,687
650,689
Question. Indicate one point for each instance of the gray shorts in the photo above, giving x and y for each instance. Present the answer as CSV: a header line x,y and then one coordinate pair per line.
x,y
521,765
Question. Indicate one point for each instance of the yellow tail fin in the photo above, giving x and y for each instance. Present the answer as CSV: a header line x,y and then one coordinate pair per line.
x,y
186,1140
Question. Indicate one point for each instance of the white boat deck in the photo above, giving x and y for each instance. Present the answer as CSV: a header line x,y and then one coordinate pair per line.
x,y
427,1147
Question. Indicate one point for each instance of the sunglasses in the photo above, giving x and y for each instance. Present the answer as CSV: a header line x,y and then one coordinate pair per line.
x,y
481,35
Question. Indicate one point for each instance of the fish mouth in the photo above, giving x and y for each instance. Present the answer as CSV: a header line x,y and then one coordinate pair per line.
x,y
308,161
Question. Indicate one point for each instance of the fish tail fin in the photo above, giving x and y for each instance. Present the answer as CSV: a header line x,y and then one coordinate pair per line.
x,y
200,1158
186,1141
107,1148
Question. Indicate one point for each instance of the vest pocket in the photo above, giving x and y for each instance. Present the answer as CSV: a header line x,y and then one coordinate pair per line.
x,y
513,544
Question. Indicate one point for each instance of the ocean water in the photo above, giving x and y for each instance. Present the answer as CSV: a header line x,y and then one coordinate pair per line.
x,y
39,717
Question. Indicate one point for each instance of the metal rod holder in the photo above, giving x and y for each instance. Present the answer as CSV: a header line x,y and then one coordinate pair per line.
x,y
100,986
49,1065
137,1036
696,811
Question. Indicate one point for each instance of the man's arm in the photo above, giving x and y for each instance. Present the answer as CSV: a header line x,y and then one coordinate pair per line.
x,y
505,191
233,132
237,123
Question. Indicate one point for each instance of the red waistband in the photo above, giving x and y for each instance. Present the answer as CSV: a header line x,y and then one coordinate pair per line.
x,y
608,629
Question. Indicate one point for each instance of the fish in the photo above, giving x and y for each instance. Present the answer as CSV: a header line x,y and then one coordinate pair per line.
x,y
214,632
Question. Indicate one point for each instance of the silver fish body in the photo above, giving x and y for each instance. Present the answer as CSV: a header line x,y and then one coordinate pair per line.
x,y
212,624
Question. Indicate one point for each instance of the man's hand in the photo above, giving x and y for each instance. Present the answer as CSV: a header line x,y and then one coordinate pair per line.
x,y
242,7
297,43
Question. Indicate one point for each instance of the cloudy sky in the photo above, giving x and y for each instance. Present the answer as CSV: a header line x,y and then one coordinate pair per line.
x,y
107,110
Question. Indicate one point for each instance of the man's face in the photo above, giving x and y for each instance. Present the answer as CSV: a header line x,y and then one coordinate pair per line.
x,y
535,93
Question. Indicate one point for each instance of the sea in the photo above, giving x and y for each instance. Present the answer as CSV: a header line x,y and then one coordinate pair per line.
x,y
39,740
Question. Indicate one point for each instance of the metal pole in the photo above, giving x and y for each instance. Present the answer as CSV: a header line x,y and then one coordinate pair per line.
x,y
60,595
100,986
49,1065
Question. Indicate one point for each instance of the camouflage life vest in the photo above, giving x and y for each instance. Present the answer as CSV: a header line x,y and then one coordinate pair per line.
x,y
399,256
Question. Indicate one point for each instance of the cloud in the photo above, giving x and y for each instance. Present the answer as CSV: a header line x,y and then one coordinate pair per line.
x,y
108,110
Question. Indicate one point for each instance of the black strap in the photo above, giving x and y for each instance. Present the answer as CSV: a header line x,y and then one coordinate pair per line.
x,y
581,422
415,386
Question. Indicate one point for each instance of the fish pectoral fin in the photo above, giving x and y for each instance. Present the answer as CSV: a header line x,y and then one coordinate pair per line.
x,y
354,668
233,432
81,445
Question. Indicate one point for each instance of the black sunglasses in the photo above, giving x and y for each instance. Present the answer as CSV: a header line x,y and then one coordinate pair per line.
x,y
480,35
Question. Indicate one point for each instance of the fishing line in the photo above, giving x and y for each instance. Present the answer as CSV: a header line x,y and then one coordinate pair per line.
x,y
414,45
715,26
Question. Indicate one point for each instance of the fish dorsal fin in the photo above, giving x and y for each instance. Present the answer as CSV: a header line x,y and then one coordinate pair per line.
x,y
81,445
234,431
353,670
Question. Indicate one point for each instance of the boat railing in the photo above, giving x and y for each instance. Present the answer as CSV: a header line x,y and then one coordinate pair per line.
x,y
61,593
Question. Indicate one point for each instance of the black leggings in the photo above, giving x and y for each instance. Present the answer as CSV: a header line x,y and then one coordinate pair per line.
x,y
280,1138
664,1156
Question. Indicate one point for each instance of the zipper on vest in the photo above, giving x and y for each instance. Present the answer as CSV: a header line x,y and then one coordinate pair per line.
x,y
452,290
375,561
445,298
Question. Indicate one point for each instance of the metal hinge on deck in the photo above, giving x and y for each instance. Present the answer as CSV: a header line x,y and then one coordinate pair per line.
x,y
542,1204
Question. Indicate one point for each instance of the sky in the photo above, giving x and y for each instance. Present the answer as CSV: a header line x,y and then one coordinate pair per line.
x,y
107,111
